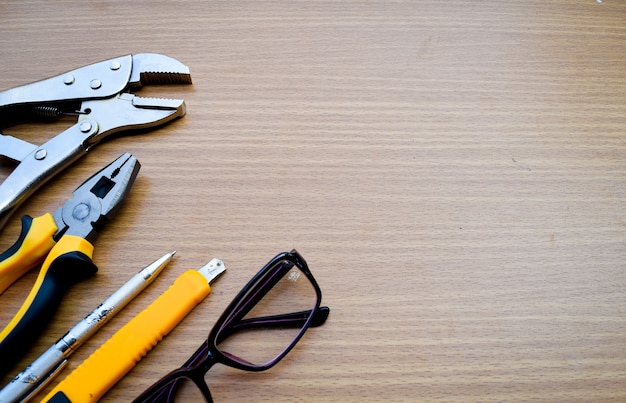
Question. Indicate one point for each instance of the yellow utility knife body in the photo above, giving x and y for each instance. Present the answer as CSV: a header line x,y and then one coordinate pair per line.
x,y
63,241
118,355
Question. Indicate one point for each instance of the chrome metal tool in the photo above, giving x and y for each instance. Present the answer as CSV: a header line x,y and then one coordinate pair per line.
x,y
102,96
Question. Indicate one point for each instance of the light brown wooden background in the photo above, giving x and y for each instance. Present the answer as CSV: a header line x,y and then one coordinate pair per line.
x,y
453,172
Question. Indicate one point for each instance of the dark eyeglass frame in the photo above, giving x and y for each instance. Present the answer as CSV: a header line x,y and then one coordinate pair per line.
x,y
231,321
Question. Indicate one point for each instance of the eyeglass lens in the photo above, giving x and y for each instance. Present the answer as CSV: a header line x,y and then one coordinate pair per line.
x,y
283,290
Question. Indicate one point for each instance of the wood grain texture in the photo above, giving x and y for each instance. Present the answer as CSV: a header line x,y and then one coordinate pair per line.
x,y
453,172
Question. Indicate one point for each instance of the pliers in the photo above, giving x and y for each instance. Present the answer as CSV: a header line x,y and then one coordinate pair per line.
x,y
101,96
63,241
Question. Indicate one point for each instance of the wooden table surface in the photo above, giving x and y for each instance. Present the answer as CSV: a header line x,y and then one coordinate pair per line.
x,y
453,172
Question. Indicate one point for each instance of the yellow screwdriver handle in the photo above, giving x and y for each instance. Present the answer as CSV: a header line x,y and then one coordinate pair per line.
x,y
31,248
118,355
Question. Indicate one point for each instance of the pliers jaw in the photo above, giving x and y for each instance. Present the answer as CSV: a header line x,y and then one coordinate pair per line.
x,y
98,199
103,118
157,69
100,80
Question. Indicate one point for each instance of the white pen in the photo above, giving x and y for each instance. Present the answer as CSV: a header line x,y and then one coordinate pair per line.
x,y
53,360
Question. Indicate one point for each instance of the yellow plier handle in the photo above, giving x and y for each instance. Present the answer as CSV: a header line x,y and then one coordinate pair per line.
x,y
30,249
69,261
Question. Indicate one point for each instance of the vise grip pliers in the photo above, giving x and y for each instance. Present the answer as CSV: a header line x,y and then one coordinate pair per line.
x,y
101,96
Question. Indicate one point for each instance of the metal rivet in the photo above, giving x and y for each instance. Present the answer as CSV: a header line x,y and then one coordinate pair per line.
x,y
81,211
68,79
41,154
95,84
115,65
85,127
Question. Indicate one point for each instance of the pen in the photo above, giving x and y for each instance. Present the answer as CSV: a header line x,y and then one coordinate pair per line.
x,y
52,361
118,355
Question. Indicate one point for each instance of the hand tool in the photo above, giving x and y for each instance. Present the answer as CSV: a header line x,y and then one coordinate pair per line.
x,y
100,95
118,355
41,371
66,237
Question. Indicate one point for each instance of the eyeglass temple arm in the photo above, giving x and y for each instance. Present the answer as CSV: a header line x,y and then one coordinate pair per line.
x,y
320,316
294,319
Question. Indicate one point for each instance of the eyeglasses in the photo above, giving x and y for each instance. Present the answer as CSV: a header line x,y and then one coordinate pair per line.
x,y
259,327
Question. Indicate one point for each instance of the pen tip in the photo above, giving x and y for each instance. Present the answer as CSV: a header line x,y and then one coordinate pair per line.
x,y
173,253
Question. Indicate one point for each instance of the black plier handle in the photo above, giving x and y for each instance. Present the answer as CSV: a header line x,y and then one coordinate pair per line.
x,y
69,262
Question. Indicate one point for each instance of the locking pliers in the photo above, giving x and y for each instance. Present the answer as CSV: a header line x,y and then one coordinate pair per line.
x,y
101,95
